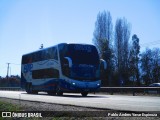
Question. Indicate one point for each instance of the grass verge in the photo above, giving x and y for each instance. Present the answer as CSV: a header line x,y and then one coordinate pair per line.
x,y
4,106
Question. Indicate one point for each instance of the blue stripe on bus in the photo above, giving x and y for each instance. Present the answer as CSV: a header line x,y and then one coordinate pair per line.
x,y
65,85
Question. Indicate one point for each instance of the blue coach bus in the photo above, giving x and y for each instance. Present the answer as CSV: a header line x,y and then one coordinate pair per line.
x,y
62,68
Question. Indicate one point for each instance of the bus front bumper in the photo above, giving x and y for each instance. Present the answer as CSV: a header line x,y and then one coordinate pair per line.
x,y
80,86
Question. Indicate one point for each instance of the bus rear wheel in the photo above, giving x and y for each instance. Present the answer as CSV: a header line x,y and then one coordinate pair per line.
x,y
84,94
29,88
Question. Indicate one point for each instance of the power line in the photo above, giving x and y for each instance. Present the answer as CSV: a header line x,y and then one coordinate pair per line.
x,y
150,43
15,64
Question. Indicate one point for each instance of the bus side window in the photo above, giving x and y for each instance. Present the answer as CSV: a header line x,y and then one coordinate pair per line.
x,y
65,67
51,52
24,60
45,73
55,73
55,54
38,57
47,54
44,55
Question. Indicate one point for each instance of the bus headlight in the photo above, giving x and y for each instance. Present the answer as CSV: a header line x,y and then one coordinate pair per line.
x,y
98,84
73,83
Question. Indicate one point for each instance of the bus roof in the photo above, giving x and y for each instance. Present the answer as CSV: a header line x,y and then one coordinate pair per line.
x,y
54,46
43,49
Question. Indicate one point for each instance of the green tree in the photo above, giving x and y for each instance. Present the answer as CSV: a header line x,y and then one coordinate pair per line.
x,y
122,35
146,66
150,65
156,65
134,59
102,38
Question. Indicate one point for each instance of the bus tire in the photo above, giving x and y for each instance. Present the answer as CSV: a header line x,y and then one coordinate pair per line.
x,y
84,94
29,88
58,91
51,93
35,92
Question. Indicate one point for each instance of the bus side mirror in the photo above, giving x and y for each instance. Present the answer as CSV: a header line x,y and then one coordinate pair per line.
x,y
69,61
103,64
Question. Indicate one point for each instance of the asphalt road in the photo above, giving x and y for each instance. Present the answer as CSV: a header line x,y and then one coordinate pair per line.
x,y
115,102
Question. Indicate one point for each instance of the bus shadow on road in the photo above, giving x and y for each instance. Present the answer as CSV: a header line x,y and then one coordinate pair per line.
x,y
69,95
80,96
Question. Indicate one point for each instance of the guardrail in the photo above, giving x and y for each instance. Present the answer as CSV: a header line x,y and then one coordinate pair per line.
x,y
11,88
132,90
110,90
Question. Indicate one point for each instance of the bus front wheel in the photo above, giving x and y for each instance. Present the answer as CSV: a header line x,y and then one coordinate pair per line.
x,y
30,90
51,93
59,91
84,94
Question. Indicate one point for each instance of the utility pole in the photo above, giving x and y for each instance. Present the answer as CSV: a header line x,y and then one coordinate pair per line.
x,y
8,70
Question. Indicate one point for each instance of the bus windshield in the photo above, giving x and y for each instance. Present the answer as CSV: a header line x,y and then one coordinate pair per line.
x,y
83,54
85,61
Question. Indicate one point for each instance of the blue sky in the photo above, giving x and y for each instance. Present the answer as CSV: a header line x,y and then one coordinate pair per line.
x,y
26,24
